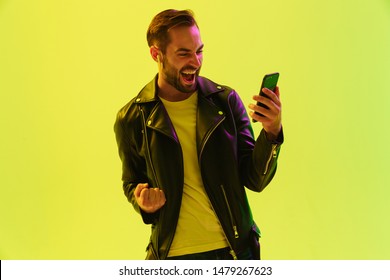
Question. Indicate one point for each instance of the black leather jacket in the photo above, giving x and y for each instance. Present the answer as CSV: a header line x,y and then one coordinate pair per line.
x,y
229,159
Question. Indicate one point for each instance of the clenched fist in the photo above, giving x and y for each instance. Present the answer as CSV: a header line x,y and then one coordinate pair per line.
x,y
149,199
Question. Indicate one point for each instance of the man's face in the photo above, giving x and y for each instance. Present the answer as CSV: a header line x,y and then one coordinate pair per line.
x,y
182,60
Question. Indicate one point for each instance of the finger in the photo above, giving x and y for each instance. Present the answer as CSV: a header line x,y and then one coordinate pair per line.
x,y
269,113
158,197
151,196
139,189
162,198
268,96
255,116
272,95
151,200
143,197
273,107
270,105
257,108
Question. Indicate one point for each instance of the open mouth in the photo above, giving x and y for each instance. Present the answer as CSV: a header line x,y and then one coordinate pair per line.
x,y
188,76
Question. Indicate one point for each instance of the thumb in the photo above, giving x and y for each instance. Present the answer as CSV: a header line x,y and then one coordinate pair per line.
x,y
277,91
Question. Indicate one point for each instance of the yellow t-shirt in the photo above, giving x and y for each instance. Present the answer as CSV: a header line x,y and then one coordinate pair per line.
x,y
198,229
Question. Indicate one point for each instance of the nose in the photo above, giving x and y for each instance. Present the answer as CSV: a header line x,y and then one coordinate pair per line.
x,y
196,60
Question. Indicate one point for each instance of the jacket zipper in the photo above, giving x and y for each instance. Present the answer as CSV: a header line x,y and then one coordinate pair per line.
x,y
147,147
230,213
231,252
153,170
272,155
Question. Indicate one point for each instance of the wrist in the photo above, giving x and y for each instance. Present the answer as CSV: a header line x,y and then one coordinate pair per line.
x,y
275,136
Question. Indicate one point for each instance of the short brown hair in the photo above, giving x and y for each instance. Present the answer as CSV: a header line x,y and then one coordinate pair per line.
x,y
157,33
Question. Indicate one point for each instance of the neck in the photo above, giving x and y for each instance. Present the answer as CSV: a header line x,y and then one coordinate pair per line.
x,y
170,93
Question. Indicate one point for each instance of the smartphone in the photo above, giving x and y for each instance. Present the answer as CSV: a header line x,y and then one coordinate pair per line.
x,y
269,81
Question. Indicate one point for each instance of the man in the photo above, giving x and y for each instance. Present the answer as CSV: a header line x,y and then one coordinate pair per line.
x,y
188,151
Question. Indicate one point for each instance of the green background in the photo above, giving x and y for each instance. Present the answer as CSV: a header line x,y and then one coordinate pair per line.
x,y
67,67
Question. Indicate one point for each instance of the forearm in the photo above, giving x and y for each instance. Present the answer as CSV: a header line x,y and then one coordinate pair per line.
x,y
262,166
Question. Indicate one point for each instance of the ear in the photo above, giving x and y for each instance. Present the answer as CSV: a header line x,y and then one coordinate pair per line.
x,y
154,52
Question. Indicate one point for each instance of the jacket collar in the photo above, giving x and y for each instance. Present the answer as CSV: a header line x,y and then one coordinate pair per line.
x,y
209,115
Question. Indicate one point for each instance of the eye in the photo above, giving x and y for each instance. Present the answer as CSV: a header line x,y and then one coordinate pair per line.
x,y
182,54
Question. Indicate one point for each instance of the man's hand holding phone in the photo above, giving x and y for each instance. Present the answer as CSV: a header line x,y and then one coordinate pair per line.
x,y
268,108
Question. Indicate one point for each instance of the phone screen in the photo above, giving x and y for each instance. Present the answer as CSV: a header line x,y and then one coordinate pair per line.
x,y
269,81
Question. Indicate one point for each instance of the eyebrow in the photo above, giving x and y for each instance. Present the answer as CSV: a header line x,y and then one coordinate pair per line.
x,y
188,50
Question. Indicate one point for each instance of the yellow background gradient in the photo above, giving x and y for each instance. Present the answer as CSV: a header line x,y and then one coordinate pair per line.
x,y
67,67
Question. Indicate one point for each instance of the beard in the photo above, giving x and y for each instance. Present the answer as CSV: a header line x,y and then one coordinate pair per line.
x,y
186,83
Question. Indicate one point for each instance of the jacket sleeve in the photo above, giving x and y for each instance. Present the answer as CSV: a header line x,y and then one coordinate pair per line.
x,y
257,159
133,164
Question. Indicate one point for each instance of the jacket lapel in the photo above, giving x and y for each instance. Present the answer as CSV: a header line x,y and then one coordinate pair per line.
x,y
160,121
156,118
209,115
